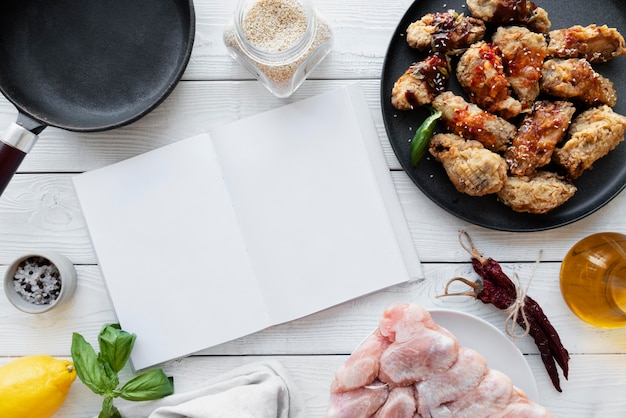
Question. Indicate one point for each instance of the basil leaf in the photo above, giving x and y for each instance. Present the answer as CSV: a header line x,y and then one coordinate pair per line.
x,y
115,346
88,367
148,386
110,378
108,409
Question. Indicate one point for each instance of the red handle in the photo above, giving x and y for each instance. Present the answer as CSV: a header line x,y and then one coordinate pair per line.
x,y
10,160
14,145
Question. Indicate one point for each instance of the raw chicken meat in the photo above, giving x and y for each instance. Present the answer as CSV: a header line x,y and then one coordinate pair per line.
x,y
491,396
414,337
359,403
400,403
401,323
406,362
422,372
462,377
362,367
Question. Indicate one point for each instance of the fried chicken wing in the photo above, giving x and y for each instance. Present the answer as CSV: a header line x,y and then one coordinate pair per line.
x,y
511,12
472,169
421,82
523,54
538,135
471,122
594,43
593,134
481,73
538,193
444,32
575,79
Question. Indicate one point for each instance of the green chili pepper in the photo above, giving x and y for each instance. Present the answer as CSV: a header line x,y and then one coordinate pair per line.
x,y
423,134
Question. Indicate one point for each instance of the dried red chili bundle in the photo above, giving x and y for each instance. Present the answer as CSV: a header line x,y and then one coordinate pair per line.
x,y
496,288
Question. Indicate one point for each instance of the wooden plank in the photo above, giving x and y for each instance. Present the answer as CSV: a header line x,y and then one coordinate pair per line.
x,y
42,210
361,37
193,108
594,387
337,330
39,210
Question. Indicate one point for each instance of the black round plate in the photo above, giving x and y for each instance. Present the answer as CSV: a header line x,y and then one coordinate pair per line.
x,y
596,187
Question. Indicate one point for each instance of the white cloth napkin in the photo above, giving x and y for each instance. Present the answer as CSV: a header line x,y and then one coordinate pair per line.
x,y
256,390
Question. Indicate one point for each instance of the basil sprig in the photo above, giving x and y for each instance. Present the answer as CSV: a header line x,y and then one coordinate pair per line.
x,y
99,372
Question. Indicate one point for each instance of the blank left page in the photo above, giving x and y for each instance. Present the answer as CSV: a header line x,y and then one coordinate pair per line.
x,y
171,252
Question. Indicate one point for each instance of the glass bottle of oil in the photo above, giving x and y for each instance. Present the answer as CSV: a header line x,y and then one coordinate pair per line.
x,y
593,279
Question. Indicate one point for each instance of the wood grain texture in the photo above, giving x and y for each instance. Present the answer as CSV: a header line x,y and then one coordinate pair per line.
x,y
337,330
192,108
594,388
40,210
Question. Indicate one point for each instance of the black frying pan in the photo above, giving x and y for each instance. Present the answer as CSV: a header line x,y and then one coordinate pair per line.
x,y
87,65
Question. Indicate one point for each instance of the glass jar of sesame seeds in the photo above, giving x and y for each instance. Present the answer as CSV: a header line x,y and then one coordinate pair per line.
x,y
279,41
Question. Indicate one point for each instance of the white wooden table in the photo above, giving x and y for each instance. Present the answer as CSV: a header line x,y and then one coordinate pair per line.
x,y
39,210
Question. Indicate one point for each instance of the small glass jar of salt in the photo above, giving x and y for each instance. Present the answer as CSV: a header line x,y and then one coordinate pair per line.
x,y
278,41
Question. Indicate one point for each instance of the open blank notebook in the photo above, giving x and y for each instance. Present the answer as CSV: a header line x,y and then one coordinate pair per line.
x,y
258,222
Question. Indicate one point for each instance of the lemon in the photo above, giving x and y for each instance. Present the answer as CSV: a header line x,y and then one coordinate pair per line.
x,y
34,386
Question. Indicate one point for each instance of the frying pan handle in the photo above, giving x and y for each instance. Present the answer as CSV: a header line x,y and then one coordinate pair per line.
x,y
15,143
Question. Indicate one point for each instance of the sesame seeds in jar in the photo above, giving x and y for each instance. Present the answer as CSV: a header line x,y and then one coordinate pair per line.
x,y
274,25
278,41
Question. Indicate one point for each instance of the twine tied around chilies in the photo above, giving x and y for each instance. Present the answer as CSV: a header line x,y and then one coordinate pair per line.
x,y
516,309
518,305
513,311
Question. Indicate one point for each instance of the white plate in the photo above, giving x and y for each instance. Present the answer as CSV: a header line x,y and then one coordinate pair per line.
x,y
499,351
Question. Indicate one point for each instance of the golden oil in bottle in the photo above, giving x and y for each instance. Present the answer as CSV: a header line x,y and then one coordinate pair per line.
x,y
593,279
